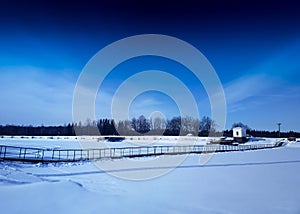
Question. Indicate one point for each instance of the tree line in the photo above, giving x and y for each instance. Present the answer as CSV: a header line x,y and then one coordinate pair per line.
x,y
137,126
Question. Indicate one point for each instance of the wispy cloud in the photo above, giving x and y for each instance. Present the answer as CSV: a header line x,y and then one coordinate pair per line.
x,y
272,79
148,102
35,96
154,88
243,88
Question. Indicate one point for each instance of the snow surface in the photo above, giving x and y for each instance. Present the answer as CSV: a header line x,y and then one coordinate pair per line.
x,y
263,181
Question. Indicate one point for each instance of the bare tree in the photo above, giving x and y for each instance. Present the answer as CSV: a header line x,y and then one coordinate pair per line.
x,y
207,126
190,125
140,125
240,124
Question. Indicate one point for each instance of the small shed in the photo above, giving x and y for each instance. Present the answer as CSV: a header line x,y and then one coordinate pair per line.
x,y
239,134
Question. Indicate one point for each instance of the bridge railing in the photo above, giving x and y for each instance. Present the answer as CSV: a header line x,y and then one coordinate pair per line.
x,y
61,155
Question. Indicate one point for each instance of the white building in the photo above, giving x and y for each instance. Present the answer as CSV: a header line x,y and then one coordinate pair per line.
x,y
239,134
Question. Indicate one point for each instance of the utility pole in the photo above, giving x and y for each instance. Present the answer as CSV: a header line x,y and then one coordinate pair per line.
x,y
279,124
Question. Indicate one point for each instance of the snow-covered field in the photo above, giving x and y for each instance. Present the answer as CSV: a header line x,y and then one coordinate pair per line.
x,y
263,181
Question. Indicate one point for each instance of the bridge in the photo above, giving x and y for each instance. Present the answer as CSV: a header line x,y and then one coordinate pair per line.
x,y
28,154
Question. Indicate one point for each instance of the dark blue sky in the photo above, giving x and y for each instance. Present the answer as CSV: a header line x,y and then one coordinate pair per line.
x,y
253,46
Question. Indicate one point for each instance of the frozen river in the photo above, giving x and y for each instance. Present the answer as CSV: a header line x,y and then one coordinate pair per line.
x,y
264,181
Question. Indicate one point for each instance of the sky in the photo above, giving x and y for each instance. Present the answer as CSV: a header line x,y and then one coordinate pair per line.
x,y
253,46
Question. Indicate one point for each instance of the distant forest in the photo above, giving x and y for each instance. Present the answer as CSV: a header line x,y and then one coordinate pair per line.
x,y
138,126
